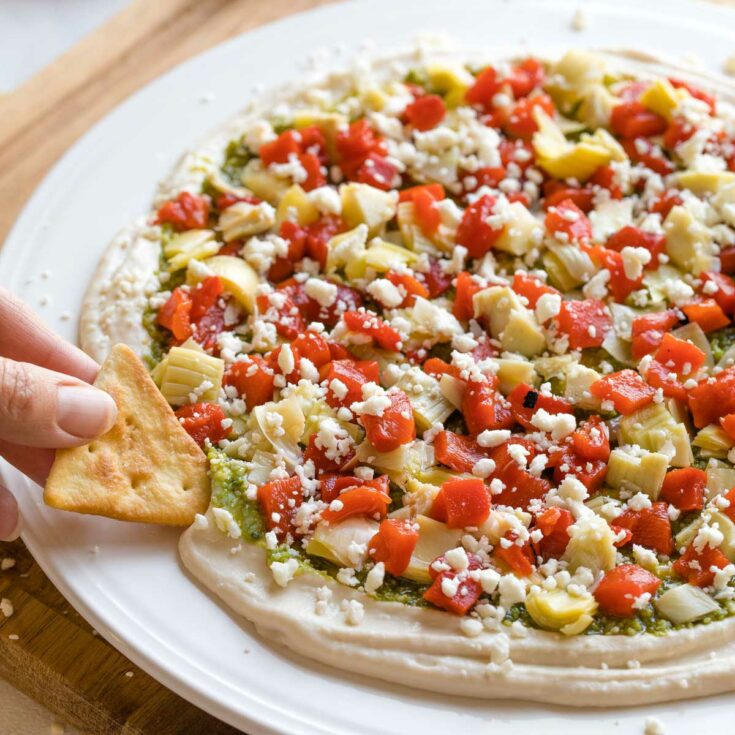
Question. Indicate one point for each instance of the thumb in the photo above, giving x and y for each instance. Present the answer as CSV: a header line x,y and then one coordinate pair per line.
x,y
41,408
9,518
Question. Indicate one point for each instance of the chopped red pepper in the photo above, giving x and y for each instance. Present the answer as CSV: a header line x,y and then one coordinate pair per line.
x,y
468,589
651,527
622,587
186,212
707,313
426,112
461,503
684,488
203,421
394,544
474,232
568,222
525,401
554,524
467,287
278,500
531,288
353,374
458,452
253,378
633,120
362,500
394,427
713,398
365,322
724,294
626,389
696,567
648,332
520,559
586,323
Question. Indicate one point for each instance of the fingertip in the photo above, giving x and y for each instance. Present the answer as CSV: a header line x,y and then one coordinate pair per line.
x,y
9,516
84,412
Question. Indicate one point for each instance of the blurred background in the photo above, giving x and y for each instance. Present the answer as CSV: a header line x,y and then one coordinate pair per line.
x,y
34,32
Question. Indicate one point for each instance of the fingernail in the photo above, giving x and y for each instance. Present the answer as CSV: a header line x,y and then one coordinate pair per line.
x,y
9,516
84,412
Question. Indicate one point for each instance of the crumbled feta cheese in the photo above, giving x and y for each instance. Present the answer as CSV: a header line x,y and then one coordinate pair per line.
x,y
471,627
226,523
283,572
547,307
321,291
483,468
354,611
559,425
493,437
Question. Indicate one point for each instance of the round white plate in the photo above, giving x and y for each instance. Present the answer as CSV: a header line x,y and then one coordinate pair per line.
x,y
126,579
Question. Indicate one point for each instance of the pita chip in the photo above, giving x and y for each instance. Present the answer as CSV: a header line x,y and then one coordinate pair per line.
x,y
146,468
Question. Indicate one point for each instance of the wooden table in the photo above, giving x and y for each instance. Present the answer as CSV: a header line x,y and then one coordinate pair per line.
x,y
46,649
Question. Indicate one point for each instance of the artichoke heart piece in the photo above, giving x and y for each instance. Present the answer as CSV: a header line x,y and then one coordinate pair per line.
x,y
688,242
347,251
343,543
705,182
510,321
559,610
296,206
685,604
719,479
522,232
652,428
727,529
563,160
577,387
364,204
282,423
452,81
188,374
435,538
662,98
411,232
714,441
189,245
568,266
238,278
573,76
591,544
642,472
243,219
263,183
425,396
513,372
383,256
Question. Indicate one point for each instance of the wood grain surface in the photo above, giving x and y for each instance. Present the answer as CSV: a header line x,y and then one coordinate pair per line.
x,y
46,649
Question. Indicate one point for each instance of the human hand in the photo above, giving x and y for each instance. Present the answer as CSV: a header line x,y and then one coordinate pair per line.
x,y
46,400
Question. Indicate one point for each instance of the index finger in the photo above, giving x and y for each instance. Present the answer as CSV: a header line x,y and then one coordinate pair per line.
x,y
25,338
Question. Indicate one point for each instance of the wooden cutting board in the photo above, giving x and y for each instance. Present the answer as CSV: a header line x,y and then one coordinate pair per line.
x,y
46,649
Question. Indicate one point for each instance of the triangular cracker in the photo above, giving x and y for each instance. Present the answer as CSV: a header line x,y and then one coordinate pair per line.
x,y
146,468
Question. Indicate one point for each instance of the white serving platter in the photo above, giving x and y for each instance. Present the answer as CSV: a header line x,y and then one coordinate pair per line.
x,y
126,579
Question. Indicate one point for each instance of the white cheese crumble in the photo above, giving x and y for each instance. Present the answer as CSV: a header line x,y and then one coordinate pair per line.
x,y
283,572
321,291
493,437
226,523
